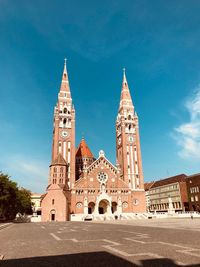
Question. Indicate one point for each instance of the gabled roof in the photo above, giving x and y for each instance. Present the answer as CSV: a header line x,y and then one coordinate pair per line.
x,y
97,161
83,150
59,161
170,180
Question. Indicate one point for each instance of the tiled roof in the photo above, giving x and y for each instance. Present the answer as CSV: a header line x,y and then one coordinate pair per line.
x,y
174,179
59,160
83,150
196,175
148,185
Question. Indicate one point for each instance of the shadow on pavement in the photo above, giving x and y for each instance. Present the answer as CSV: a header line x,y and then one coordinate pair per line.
x,y
92,259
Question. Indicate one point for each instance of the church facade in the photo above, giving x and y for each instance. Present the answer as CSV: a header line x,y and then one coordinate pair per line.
x,y
81,185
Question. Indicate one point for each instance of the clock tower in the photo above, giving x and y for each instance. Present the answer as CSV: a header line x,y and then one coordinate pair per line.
x,y
128,140
64,129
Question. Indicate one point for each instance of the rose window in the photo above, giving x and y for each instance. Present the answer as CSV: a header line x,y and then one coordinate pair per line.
x,y
102,177
79,205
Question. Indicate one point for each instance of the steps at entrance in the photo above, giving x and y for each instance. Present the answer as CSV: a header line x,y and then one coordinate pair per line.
x,y
124,216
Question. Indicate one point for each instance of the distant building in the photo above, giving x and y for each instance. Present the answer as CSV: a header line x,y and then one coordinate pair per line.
x,y
36,203
170,190
193,188
147,187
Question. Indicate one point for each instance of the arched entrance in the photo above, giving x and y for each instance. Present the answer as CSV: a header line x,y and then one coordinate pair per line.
x,y
103,205
114,207
91,207
52,215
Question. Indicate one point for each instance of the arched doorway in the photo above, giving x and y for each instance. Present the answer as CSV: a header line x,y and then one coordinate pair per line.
x,y
114,207
52,215
91,206
103,205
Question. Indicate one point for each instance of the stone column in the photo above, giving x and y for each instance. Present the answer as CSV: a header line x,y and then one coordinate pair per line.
x,y
119,206
85,205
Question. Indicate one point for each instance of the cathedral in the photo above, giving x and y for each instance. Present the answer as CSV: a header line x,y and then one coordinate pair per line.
x,y
81,186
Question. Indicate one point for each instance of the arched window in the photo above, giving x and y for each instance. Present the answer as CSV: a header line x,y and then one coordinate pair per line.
x,y
129,127
65,110
61,169
55,169
129,117
64,122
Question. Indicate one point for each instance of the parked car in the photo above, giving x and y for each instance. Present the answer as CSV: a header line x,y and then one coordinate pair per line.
x,y
88,217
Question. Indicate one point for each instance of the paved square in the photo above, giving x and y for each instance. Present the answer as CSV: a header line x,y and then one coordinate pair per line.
x,y
132,243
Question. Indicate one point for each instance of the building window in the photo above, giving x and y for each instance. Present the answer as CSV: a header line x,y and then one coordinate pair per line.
x,y
192,199
124,205
135,201
55,169
53,201
196,198
79,204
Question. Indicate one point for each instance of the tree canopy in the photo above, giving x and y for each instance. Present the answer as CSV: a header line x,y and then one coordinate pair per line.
x,y
13,199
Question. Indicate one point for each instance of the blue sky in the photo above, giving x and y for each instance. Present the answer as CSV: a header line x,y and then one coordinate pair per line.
x,y
157,42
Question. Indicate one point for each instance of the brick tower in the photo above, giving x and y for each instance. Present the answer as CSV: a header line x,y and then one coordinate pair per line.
x,y
84,158
128,141
64,128
56,202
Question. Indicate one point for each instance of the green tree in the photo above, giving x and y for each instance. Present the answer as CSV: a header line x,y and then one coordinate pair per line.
x,y
13,199
24,201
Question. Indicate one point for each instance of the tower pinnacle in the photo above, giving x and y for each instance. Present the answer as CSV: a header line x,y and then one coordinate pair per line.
x,y
65,81
124,76
65,66
65,76
125,100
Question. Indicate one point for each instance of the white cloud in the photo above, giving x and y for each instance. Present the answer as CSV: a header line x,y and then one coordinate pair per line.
x,y
187,134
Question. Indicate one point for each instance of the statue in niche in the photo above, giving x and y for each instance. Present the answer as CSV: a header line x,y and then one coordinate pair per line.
x,y
119,201
103,188
85,202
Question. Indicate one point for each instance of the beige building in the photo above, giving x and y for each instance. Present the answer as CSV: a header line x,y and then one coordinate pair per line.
x,y
170,191
78,183
36,203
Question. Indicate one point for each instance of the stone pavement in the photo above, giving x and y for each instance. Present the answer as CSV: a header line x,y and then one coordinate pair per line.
x,y
143,243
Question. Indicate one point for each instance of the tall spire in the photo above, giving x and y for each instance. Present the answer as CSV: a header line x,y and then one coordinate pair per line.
x,y
65,66
65,81
125,99
124,76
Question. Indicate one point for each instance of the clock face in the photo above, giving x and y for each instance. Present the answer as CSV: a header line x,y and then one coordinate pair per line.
x,y
131,138
64,134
